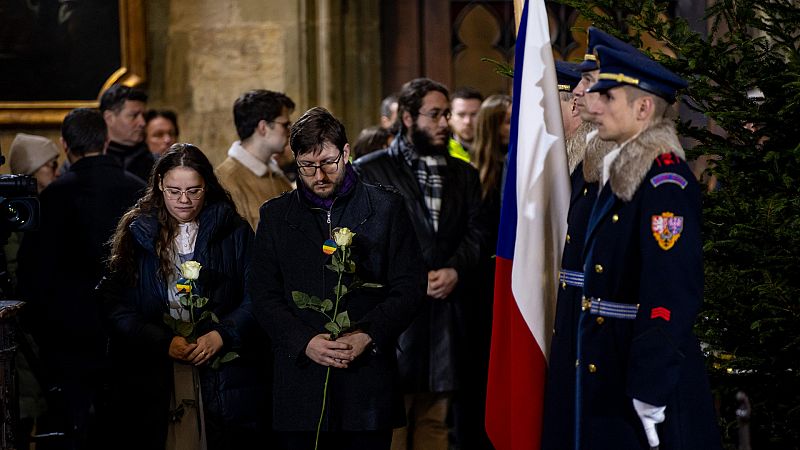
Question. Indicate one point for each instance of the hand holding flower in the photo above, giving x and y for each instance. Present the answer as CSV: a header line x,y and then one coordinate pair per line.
x,y
358,340
186,345
180,348
326,352
207,346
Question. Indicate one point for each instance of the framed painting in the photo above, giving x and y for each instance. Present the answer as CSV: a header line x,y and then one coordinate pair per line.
x,y
57,55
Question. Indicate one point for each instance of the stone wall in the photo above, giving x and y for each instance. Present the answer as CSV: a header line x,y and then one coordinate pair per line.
x,y
201,54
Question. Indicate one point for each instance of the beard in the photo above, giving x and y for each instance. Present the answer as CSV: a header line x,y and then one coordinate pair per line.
x,y
331,187
423,143
576,145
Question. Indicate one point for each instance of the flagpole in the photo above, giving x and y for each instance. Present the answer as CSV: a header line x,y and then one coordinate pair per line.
x,y
518,5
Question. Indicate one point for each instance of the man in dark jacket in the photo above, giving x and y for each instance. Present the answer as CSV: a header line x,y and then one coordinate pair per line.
x,y
123,110
62,261
442,196
355,375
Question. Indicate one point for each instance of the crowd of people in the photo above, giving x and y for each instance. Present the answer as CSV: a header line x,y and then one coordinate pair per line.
x,y
177,305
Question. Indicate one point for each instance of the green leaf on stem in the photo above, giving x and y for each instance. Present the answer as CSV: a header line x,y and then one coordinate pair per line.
x,y
333,328
184,329
372,285
343,320
185,300
327,305
301,299
340,290
200,302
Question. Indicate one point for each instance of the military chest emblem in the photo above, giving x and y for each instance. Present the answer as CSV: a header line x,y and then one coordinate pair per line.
x,y
666,229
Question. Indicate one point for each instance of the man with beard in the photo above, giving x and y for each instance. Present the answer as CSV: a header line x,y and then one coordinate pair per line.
x,y
442,196
295,238
585,164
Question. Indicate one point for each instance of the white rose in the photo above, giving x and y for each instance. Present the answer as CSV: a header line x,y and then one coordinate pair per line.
x,y
191,270
343,237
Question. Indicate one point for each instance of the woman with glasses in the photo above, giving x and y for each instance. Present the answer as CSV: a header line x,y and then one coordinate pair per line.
x,y
166,391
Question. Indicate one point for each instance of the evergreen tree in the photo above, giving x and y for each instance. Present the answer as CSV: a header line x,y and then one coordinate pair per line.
x,y
750,325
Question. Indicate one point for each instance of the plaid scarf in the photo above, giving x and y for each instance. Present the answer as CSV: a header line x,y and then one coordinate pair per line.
x,y
430,176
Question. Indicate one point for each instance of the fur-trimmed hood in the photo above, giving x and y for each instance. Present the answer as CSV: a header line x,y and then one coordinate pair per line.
x,y
596,150
636,157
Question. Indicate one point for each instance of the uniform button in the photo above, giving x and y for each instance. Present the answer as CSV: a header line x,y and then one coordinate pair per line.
x,y
568,238
600,320
585,191
577,363
585,304
597,268
615,218
592,368
563,285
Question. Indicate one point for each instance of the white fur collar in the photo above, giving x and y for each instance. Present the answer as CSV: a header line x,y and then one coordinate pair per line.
x,y
636,157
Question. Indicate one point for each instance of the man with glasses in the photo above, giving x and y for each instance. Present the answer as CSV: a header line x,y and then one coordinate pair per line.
x,y
442,196
290,255
250,172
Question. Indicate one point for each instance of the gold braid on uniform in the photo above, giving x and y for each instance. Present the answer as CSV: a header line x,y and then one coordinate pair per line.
x,y
596,150
575,145
636,157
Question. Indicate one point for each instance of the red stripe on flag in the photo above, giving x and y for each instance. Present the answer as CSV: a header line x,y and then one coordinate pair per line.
x,y
517,369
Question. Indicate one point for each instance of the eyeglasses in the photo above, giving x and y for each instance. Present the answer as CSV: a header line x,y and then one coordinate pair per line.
x,y
437,114
309,170
176,194
286,125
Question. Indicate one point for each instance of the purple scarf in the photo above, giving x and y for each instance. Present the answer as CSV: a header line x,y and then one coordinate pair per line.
x,y
350,179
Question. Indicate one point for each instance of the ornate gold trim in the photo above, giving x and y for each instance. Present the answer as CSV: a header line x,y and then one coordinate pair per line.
x,y
619,78
133,72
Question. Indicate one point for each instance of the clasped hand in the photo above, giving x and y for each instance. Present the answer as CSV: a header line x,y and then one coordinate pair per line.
x,y
196,353
339,353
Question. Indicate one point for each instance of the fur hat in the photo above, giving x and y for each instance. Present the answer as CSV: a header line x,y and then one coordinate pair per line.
x,y
29,152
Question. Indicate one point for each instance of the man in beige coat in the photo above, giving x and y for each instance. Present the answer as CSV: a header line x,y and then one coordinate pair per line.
x,y
250,173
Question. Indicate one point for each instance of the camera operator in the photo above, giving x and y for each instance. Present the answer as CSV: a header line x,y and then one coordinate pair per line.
x,y
61,263
36,156
31,155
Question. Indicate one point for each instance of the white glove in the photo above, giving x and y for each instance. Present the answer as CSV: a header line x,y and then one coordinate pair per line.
x,y
650,416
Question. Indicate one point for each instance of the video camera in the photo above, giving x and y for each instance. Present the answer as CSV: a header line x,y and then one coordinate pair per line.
x,y
19,206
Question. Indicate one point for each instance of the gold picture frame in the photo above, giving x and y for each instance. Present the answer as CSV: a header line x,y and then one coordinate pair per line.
x,y
132,72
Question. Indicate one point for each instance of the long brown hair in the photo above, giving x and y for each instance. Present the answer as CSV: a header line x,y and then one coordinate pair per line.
x,y
488,147
123,258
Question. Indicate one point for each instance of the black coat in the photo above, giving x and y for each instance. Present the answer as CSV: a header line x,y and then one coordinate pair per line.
x,y
136,159
236,395
288,257
432,348
653,355
61,263
559,396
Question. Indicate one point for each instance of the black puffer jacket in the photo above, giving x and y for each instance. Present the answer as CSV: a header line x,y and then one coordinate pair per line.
x,y
235,396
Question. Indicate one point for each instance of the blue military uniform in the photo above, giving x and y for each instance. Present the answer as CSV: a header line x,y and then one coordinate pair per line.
x,y
559,404
559,409
643,286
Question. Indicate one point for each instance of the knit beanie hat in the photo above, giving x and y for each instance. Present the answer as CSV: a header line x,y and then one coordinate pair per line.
x,y
29,152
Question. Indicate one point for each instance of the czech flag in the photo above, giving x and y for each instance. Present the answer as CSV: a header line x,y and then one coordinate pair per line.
x,y
533,225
